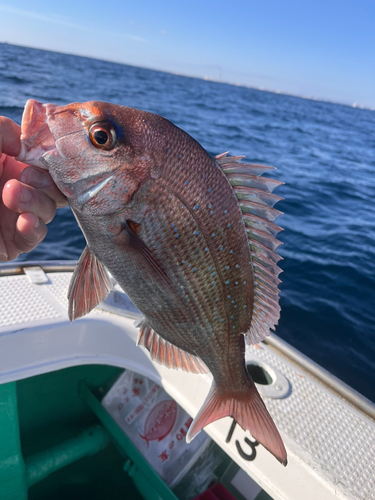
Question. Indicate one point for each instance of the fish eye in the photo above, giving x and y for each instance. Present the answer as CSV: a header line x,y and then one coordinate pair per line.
x,y
102,136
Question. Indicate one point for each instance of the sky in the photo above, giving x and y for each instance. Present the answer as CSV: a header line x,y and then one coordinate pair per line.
x,y
322,49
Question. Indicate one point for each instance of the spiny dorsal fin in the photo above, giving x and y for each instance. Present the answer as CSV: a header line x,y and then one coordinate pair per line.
x,y
255,198
167,354
90,284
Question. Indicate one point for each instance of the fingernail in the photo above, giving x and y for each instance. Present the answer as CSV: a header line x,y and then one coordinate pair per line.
x,y
25,196
37,223
35,178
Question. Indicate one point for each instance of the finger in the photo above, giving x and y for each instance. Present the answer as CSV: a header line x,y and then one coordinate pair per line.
x,y
21,198
30,231
41,180
11,169
8,220
10,134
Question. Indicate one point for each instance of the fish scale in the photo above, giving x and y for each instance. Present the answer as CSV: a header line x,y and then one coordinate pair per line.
x,y
161,224
182,273
220,320
178,230
214,267
219,200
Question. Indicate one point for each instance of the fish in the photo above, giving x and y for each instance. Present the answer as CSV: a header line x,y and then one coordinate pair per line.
x,y
190,237
160,421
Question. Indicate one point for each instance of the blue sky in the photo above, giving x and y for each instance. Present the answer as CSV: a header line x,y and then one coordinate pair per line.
x,y
320,49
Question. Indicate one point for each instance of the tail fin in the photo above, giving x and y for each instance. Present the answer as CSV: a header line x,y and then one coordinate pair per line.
x,y
250,413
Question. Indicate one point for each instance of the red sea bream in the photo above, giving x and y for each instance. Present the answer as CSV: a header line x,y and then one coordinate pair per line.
x,y
189,237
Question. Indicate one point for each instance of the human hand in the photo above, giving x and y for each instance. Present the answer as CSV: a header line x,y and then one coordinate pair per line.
x,y
28,197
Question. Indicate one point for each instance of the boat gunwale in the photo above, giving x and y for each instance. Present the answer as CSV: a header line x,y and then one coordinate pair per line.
x,y
280,346
48,266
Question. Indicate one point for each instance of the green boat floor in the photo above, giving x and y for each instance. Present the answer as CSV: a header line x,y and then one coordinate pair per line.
x,y
100,477
13,483
50,408
50,412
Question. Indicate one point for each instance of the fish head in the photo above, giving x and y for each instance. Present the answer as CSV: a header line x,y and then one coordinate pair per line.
x,y
95,151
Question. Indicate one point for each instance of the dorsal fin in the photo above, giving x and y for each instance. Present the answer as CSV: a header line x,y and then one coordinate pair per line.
x,y
167,354
255,198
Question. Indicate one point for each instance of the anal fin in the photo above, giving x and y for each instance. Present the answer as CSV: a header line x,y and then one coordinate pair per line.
x,y
167,354
90,284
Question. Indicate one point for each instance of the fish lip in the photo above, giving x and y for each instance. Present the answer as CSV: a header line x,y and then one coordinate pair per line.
x,y
36,136
89,194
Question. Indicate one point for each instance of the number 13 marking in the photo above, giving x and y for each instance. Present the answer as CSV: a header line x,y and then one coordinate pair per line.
x,y
252,444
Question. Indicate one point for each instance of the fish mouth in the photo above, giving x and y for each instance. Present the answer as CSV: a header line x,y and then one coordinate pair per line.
x,y
36,137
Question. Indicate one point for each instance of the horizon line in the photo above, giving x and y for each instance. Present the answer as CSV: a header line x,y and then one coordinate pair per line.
x,y
204,78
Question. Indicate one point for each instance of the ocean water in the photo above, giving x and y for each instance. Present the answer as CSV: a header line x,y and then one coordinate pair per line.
x,y
324,152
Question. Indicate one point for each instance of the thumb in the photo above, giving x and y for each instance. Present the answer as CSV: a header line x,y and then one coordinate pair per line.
x,y
10,134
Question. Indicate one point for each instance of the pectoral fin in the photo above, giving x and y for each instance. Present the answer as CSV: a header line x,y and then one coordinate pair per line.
x,y
89,285
138,251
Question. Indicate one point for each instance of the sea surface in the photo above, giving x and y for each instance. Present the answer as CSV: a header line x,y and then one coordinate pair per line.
x,y
324,152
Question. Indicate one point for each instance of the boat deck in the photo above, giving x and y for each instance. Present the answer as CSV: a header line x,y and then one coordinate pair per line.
x,y
328,429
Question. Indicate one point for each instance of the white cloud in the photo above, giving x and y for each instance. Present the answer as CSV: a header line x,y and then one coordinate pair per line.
x,y
62,20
